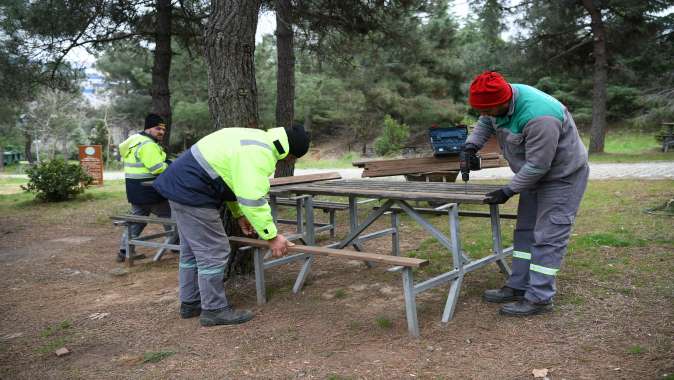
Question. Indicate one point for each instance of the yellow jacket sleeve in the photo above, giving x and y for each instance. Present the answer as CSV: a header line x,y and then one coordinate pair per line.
x,y
250,183
235,209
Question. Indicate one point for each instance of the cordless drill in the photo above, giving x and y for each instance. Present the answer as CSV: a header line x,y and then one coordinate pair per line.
x,y
468,160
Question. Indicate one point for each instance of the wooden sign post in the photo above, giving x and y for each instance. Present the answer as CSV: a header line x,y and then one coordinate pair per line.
x,y
91,159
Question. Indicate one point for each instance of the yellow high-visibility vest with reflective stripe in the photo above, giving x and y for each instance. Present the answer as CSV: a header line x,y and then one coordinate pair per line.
x,y
143,158
245,158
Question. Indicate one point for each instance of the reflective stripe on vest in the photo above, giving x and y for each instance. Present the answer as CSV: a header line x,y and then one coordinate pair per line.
x,y
255,142
252,202
137,149
202,162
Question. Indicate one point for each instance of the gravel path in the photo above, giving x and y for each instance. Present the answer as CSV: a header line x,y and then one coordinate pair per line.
x,y
646,170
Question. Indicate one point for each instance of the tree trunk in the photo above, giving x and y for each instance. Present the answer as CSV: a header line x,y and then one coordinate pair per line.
x,y
229,51
64,143
598,129
285,77
161,68
232,92
2,159
26,147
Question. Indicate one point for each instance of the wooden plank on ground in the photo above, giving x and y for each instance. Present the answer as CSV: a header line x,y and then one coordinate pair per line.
x,y
353,255
304,178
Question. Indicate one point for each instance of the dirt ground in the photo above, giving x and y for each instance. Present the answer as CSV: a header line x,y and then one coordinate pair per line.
x,y
62,288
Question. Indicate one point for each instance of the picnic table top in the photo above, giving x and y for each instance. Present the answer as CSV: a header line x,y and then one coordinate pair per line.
x,y
413,191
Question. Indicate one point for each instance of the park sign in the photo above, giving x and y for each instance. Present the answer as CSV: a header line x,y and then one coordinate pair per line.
x,y
91,160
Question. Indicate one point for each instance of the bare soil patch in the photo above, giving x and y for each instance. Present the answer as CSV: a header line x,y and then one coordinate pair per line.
x,y
348,322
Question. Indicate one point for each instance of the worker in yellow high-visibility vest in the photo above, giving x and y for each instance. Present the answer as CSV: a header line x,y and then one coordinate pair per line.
x,y
144,159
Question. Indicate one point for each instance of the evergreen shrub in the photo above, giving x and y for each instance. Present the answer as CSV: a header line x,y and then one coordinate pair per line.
x,y
56,180
392,138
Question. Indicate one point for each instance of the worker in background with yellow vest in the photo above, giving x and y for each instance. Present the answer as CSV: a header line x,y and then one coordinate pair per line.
x,y
230,166
144,159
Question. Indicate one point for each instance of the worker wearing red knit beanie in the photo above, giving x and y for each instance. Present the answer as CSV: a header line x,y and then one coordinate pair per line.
x,y
489,90
540,140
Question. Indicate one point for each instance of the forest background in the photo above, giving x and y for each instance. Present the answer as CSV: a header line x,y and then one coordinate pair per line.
x,y
353,66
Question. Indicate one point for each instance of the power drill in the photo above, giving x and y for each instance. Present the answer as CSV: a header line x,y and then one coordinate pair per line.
x,y
468,160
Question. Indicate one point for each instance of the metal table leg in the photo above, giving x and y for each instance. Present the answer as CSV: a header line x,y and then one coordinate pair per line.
x,y
310,240
496,238
410,302
130,248
258,262
458,260
395,236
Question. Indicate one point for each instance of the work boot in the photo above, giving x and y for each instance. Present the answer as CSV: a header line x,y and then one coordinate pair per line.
x,y
505,294
121,256
226,316
190,309
525,307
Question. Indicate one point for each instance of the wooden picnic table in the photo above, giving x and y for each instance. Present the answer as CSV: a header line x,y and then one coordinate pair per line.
x,y
396,197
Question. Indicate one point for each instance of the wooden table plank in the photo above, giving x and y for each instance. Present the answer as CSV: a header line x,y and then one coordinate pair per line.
x,y
417,191
303,178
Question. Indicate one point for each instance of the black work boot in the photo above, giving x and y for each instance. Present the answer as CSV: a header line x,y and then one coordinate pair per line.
x,y
121,256
505,294
226,316
190,309
525,307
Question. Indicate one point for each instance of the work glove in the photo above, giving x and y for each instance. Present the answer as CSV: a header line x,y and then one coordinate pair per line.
x,y
497,197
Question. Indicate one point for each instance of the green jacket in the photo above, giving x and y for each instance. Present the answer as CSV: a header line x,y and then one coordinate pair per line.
x,y
537,136
245,158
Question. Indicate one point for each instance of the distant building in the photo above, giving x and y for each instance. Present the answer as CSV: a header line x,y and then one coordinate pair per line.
x,y
94,88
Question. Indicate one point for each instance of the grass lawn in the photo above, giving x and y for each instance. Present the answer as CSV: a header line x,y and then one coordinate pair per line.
x,y
613,241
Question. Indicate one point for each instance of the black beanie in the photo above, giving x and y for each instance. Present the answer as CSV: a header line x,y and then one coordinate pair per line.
x,y
298,140
152,120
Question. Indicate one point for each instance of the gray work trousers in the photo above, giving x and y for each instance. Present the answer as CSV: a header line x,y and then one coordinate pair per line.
x,y
545,216
161,209
204,248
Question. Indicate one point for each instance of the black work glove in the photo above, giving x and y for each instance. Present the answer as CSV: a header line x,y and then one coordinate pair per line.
x,y
497,197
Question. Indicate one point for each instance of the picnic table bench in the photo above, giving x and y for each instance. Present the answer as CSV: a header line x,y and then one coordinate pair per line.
x,y
298,252
304,252
146,240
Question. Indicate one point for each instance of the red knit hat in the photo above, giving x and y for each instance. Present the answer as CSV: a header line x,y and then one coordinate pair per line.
x,y
489,89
